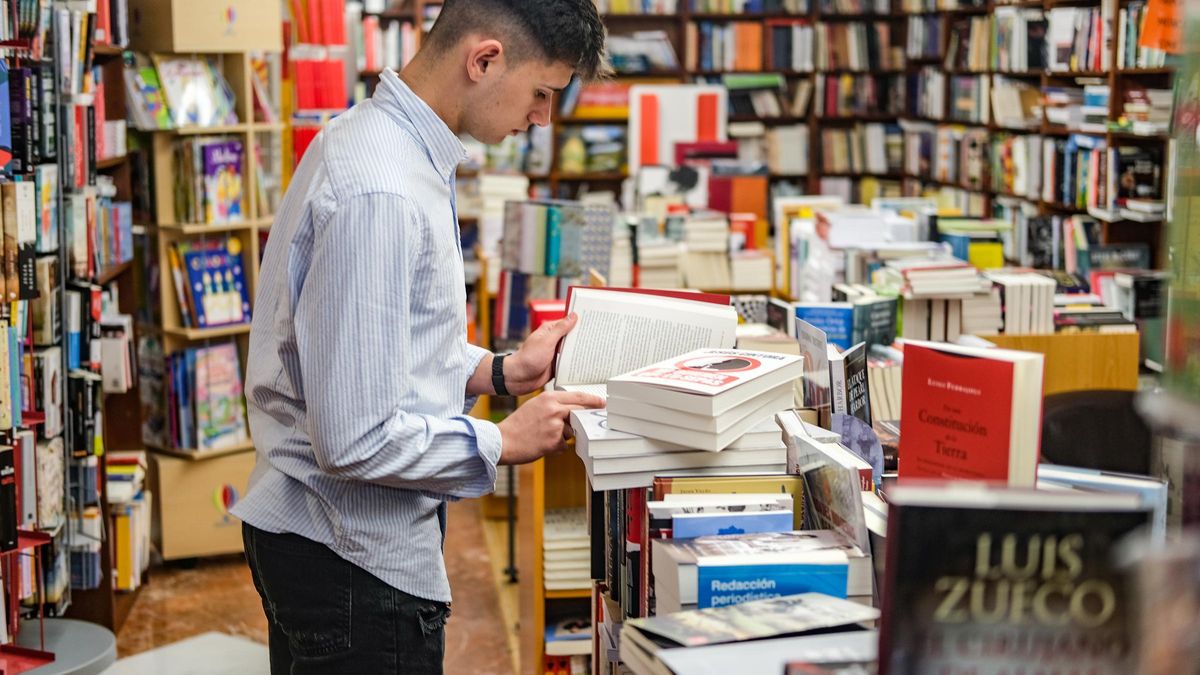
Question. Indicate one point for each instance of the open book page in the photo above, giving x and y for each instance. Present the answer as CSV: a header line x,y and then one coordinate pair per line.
x,y
618,332
600,390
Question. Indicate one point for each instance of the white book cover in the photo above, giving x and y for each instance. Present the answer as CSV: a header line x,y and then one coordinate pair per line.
x,y
711,372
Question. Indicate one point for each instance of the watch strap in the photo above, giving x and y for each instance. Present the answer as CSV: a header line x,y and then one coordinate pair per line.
x,y
498,375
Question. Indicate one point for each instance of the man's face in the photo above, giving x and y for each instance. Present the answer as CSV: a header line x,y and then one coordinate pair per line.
x,y
518,98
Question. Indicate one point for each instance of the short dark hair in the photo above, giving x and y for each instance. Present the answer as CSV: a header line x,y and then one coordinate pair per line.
x,y
564,31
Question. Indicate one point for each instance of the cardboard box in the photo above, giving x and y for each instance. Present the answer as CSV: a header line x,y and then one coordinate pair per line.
x,y
192,502
205,27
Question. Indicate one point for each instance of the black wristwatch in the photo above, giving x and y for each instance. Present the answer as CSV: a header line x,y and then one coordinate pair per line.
x,y
498,375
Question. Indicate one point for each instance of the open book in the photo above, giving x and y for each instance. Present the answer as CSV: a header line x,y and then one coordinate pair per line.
x,y
620,330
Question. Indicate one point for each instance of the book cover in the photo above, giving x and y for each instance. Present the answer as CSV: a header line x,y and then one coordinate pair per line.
x,y
8,499
1009,581
12,282
709,372
814,348
726,583
46,184
6,140
27,226
836,320
219,406
224,192
692,525
857,394
554,218
776,617
958,413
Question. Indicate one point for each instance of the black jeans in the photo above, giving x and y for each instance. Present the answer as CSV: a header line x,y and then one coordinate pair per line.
x,y
327,615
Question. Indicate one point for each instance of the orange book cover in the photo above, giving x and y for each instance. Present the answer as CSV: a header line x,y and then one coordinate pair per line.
x,y
957,413
749,40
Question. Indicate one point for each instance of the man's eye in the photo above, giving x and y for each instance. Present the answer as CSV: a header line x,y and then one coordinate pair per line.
x,y
542,96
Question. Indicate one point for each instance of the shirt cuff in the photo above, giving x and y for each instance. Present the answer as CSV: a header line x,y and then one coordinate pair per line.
x,y
489,443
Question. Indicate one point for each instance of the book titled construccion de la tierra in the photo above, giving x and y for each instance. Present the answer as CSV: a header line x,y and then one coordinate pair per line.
x,y
971,414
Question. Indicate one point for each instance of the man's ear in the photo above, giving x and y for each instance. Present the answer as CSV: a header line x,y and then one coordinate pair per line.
x,y
482,57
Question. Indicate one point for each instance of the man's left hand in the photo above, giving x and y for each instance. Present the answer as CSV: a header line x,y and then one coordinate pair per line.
x,y
528,369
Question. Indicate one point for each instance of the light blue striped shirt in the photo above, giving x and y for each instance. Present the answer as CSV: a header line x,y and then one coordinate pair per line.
x,y
358,364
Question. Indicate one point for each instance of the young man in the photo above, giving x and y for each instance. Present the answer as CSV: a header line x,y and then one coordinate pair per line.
x,y
359,370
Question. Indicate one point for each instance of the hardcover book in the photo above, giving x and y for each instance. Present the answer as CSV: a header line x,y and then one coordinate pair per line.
x,y
224,191
996,580
220,408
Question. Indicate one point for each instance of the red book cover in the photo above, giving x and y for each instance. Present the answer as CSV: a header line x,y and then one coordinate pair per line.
x,y
957,413
704,151
545,311
80,151
316,32
335,23
370,30
720,193
713,298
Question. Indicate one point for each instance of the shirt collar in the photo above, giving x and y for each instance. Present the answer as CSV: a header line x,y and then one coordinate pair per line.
x,y
445,150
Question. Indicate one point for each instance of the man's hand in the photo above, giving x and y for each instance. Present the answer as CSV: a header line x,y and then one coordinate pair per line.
x,y
528,369
541,427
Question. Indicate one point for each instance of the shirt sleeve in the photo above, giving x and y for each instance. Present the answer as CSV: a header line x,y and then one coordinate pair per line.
x,y
475,355
354,325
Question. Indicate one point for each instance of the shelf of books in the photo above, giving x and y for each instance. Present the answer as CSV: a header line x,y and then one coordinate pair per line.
x,y
210,163
111,557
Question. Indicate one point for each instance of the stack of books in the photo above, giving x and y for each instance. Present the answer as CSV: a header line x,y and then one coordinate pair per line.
x,y
125,475
565,552
738,638
750,270
659,264
705,399
1027,300
616,460
934,277
706,238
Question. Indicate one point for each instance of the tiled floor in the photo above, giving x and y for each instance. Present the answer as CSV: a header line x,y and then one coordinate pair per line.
x,y
217,595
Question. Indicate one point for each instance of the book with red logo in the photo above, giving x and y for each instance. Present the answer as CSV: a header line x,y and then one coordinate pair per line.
x,y
971,414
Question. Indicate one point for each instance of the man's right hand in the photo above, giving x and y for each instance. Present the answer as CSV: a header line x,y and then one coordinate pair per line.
x,y
542,426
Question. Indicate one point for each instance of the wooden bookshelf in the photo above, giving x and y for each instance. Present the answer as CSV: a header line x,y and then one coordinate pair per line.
x,y
1117,80
164,232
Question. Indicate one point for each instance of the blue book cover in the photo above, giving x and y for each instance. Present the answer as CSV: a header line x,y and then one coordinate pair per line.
x,y
16,356
553,239
724,585
835,319
186,406
960,244
6,146
692,525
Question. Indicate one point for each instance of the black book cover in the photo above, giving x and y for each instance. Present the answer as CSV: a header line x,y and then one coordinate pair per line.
x,y
90,143
48,135
857,393
20,126
8,499
596,516
1007,589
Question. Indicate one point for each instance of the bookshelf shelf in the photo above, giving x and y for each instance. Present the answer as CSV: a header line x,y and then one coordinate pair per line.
x,y
109,274
268,126
1147,71
1076,73
201,334
110,163
242,128
583,177
569,595
202,228
104,50
198,455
